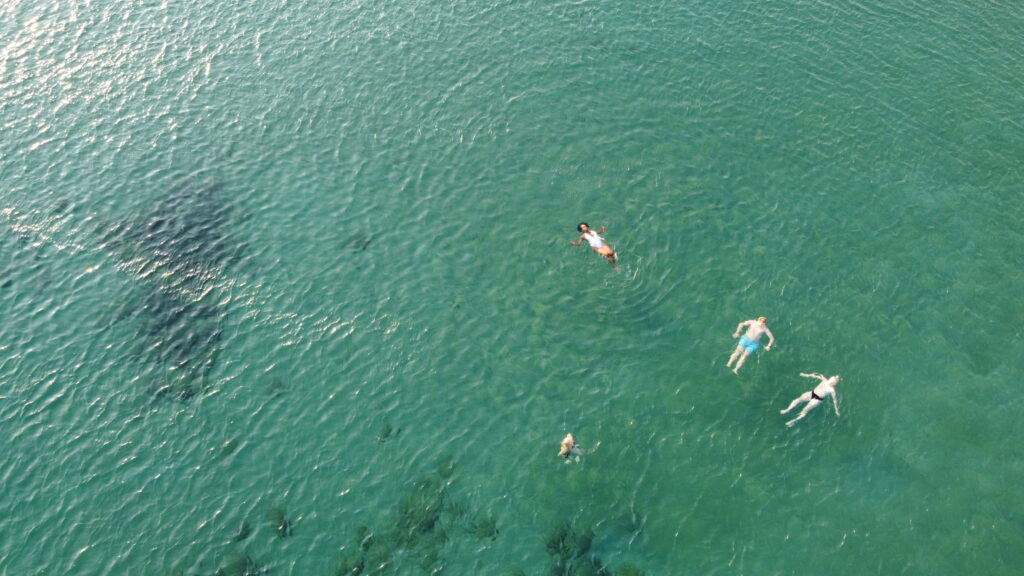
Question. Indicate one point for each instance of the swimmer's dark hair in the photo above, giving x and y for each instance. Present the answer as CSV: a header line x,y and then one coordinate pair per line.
x,y
579,227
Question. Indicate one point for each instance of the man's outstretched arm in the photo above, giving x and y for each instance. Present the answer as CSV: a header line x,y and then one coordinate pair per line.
x,y
736,334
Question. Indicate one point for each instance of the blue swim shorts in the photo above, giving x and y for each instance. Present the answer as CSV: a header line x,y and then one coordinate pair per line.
x,y
750,346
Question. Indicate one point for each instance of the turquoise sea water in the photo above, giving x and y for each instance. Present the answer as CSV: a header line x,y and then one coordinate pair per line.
x,y
287,287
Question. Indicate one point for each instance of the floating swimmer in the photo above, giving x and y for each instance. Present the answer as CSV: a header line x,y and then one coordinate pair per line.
x,y
748,343
596,242
569,448
826,387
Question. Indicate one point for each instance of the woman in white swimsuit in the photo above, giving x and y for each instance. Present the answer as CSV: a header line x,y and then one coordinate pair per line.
x,y
596,242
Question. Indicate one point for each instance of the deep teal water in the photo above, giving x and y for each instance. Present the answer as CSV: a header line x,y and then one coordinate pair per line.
x,y
309,260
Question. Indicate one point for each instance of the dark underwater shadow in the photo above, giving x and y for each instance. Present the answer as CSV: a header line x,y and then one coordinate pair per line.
x,y
176,253
415,536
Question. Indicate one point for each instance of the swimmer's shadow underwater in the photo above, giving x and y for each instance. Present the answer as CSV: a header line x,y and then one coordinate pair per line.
x,y
357,242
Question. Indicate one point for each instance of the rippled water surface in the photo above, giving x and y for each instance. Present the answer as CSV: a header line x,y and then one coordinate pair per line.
x,y
287,287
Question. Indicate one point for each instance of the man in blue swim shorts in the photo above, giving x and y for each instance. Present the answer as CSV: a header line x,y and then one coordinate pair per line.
x,y
749,342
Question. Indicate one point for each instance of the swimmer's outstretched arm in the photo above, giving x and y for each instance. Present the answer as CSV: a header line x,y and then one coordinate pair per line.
x,y
578,241
736,334
835,404
771,339
814,375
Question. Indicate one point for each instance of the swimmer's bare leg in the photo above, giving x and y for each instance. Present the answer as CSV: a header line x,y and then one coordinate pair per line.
x,y
742,359
801,398
608,255
804,412
735,354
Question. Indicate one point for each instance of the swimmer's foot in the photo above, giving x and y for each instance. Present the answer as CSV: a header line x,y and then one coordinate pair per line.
x,y
736,371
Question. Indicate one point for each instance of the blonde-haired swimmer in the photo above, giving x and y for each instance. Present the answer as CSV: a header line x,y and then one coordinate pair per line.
x,y
568,447
596,242
826,387
749,344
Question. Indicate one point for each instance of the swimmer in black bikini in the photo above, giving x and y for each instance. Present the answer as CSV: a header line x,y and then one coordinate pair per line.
x,y
826,387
